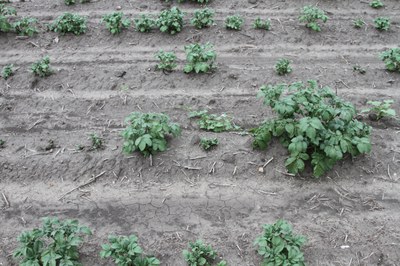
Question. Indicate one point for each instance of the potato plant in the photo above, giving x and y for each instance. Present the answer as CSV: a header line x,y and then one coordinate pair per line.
x,y
69,23
200,58
208,143
376,4
116,22
314,124
311,15
358,23
144,23
203,18
5,13
380,109
7,71
170,21
26,26
212,122
234,22
201,254
167,60
97,142
283,67
262,24
69,2
42,67
391,58
382,23
2,142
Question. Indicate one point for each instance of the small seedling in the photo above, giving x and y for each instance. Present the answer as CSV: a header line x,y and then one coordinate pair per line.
x,y
382,24
69,23
145,23
200,58
376,4
200,254
167,60
391,58
380,109
115,22
97,142
170,21
358,23
26,27
279,246
146,133
2,142
125,251
7,71
80,147
214,123
234,22
5,12
42,67
203,18
262,24
359,69
207,144
69,2
311,15
282,67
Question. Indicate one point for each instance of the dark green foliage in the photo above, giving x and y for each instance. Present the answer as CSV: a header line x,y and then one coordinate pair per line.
x,y
69,2
381,109
201,254
144,24
97,142
203,18
56,243
2,142
7,71
314,124
214,122
279,246
358,23
170,21
282,67
146,133
200,58
391,58
115,22
262,24
5,12
207,144
167,60
42,67
125,251
69,23
382,24
376,4
26,26
234,22
311,15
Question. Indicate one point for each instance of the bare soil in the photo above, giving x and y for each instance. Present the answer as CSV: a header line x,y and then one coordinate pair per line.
x,y
351,216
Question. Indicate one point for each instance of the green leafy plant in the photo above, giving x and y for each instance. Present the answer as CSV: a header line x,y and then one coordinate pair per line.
x,y
203,18
5,12
234,22
359,69
200,58
382,24
311,16
69,23
358,23
7,71
69,2
145,23
380,109
212,122
279,246
391,58
201,254
25,26
146,133
125,251
314,124
170,21
55,243
42,67
115,22
283,67
2,142
167,60
208,143
262,24
97,142
376,4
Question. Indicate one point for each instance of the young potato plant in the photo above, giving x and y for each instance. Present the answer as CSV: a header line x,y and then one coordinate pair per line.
x,y
212,122
201,254
382,24
359,69
115,22
234,22
203,18
69,23
170,21
5,12
380,109
2,142
167,61
208,143
145,23
56,243
311,16
279,246
42,67
376,4
125,251
391,58
314,124
7,71
262,24
146,133
200,58
283,67
26,27
69,2
97,142
358,23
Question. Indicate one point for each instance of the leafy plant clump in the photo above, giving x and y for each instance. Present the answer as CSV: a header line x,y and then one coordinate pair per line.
x,y
42,67
2,142
200,58
7,71
234,22
125,251
311,16
69,23
145,23
167,60
201,254
262,24
358,23
56,243
314,124
382,24
380,109
391,58
146,133
115,22
279,246
69,2
170,21
97,142
214,123
283,67
5,12
207,144
376,4
203,18
26,26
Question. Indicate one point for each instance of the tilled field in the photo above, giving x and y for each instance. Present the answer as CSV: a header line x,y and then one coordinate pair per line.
x,y
350,216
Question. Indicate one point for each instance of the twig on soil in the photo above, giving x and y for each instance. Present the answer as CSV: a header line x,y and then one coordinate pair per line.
x,y
234,171
288,174
91,180
270,160
5,201
36,123
186,166
344,84
199,157
212,169
388,172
